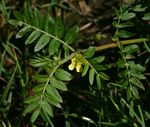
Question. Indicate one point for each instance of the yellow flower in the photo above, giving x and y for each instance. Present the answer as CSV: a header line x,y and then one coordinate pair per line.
x,y
77,62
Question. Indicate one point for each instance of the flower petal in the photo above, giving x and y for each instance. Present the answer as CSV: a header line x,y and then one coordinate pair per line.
x,y
71,66
78,67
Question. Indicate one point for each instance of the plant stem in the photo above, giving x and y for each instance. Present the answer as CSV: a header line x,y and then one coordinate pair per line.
x,y
125,42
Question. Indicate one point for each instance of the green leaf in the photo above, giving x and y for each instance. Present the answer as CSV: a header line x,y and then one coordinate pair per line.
x,y
139,8
58,28
58,84
18,16
104,76
124,34
47,108
98,81
66,51
146,16
8,49
120,64
42,42
31,107
97,60
46,21
85,69
63,75
71,35
46,117
33,36
23,31
53,46
50,100
147,114
32,99
116,85
34,115
137,74
125,84
131,49
52,91
137,83
131,109
89,52
15,22
134,91
28,16
41,78
39,61
126,15
123,25
91,76
129,93
134,66
38,88
36,16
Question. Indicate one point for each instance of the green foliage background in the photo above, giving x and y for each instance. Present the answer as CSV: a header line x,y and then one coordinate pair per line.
x,y
49,76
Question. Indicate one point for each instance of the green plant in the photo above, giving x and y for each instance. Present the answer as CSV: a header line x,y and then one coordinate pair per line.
x,y
45,69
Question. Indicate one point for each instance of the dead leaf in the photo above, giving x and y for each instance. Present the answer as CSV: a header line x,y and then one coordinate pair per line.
x,y
84,8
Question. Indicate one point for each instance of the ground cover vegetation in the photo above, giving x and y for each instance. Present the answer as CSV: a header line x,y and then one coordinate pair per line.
x,y
74,63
